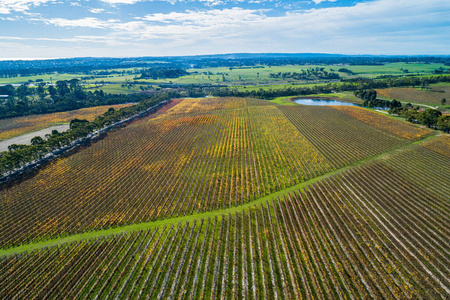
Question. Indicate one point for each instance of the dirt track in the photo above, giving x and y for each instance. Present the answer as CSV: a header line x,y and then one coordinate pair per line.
x,y
26,138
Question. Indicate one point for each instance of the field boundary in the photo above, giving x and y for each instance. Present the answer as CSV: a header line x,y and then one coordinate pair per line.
x,y
11,176
203,215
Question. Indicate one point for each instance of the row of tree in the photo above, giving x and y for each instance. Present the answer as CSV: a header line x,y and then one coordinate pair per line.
x,y
90,65
157,73
18,155
370,100
63,96
345,85
431,118
316,73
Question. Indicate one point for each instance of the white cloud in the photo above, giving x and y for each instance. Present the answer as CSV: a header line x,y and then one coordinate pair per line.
x,y
212,17
15,18
121,1
108,40
320,1
208,2
375,27
85,22
383,26
96,10
9,45
8,6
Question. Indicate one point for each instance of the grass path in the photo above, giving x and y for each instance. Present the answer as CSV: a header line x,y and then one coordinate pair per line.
x,y
197,216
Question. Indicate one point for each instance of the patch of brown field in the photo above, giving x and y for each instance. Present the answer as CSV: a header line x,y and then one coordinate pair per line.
x,y
398,128
440,144
17,126
433,95
163,110
203,105
168,106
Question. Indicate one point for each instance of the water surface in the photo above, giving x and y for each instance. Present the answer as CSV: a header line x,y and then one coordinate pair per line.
x,y
322,102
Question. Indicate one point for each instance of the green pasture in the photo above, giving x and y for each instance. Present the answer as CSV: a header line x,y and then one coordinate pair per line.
x,y
266,87
116,88
47,78
242,75
260,75
394,69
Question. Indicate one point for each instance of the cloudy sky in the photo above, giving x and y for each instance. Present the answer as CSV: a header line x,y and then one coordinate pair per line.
x,y
123,28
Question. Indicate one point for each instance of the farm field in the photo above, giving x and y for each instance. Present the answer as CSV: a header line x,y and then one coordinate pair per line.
x,y
116,88
389,125
261,74
432,96
239,199
21,125
238,75
370,232
200,155
25,139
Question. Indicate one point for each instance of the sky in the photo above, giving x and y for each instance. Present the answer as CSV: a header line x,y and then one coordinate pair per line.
x,y
35,29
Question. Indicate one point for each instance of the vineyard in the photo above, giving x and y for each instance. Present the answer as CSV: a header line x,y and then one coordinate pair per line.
x,y
200,155
388,125
286,202
432,96
366,233
17,126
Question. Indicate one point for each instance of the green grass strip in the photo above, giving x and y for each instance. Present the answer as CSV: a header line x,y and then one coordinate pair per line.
x,y
196,216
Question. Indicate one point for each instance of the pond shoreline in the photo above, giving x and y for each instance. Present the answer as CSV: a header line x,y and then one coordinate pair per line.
x,y
321,98
322,101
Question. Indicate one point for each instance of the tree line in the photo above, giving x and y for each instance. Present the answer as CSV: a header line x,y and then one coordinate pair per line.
x,y
429,117
86,65
370,100
156,73
63,96
18,155
316,73
344,85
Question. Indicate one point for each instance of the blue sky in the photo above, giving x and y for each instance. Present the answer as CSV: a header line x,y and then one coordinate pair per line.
x,y
123,28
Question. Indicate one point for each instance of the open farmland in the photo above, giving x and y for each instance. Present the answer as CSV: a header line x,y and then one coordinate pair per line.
x,y
238,199
21,125
431,96
388,125
370,232
200,155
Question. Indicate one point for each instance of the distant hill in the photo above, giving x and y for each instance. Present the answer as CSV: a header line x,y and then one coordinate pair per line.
x,y
87,64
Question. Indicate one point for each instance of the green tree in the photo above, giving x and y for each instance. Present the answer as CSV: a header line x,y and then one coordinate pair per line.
x,y
21,107
41,90
52,91
23,91
443,123
15,147
62,88
76,123
443,101
37,140
429,117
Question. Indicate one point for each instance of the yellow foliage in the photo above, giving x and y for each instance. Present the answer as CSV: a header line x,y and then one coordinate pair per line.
x,y
398,128
440,144
17,126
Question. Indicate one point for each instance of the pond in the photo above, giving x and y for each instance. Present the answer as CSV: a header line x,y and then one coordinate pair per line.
x,y
322,102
